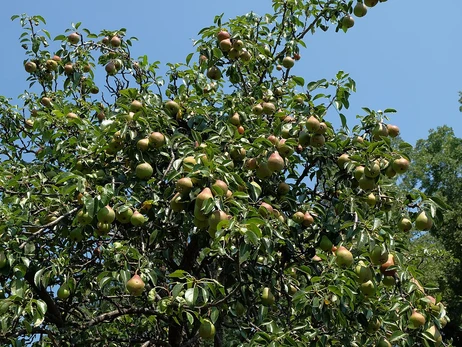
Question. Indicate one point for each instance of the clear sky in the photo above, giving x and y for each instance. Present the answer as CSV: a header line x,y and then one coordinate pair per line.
x,y
405,54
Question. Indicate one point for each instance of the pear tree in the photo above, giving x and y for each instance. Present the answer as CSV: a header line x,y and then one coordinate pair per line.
x,y
227,202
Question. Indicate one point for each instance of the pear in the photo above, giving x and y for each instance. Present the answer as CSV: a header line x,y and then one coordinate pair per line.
x,y
433,330
388,281
298,217
267,298
416,320
372,170
207,329
143,144
344,257
263,171
172,108
205,194
367,288
423,222
307,219
125,216
268,108
265,209
378,256
106,215
176,204
215,218
184,185
404,224
343,160
220,188
363,272
135,285
144,171
360,9
275,162
325,244
137,219
384,267
312,124
393,130
383,342
400,165
359,172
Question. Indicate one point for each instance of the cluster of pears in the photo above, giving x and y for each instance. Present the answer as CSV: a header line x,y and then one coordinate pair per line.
x,y
314,135
106,216
359,10
202,219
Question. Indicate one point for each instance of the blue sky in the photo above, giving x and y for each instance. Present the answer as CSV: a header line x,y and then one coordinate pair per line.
x,y
403,54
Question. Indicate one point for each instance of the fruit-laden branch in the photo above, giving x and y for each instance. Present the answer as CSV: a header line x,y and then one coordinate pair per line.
x,y
46,226
110,316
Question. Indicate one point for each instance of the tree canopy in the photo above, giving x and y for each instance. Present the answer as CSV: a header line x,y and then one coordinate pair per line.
x,y
216,205
437,170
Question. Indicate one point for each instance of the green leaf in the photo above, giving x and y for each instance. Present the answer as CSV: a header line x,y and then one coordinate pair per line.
x,y
191,295
397,335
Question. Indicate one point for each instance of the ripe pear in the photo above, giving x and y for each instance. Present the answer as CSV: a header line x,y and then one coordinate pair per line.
x,y
176,204
400,165
416,320
433,330
307,219
325,244
389,171
288,62
223,35
367,288
184,185
393,130
384,267
359,172
344,257
371,199
265,209
235,119
379,131
257,110
225,45
372,170
360,9
207,329
214,73
404,225
317,140
30,67
423,222
312,124
348,21
343,160
156,139
73,38
366,183
172,108
363,272
371,3
298,217
267,298
388,281
283,188
263,171
383,342
284,149
135,285
378,257
204,195
137,219
63,292
215,218
188,163
144,171
268,108
143,144
125,216
106,215
275,162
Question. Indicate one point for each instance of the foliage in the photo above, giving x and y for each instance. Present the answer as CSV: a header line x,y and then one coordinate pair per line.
x,y
230,244
437,169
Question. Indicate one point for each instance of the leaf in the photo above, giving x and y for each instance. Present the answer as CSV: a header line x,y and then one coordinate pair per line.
x,y
397,335
299,80
191,295
190,318
177,289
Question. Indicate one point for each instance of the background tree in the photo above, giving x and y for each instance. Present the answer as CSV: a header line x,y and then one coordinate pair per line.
x,y
218,206
437,170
